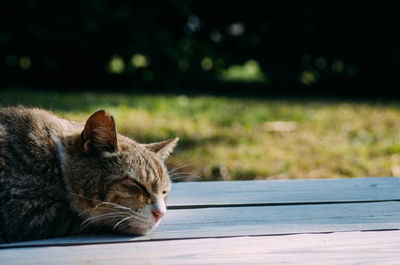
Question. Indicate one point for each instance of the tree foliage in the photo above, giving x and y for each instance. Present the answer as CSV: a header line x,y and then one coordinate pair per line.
x,y
298,46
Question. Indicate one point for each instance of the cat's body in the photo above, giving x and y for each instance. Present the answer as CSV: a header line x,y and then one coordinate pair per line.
x,y
59,177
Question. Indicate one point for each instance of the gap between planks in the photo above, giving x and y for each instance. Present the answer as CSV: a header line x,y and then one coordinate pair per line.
x,y
201,206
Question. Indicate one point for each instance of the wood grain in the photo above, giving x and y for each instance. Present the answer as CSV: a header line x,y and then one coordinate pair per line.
x,y
244,221
284,191
213,223
336,248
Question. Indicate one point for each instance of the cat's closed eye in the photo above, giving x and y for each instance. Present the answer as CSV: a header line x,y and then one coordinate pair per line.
x,y
143,188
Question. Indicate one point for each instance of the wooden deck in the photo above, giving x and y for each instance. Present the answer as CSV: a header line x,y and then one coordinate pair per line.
x,y
333,221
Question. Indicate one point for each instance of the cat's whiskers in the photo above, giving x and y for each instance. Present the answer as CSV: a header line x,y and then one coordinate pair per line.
x,y
114,205
183,175
126,214
102,217
102,202
133,216
125,224
97,208
175,169
180,178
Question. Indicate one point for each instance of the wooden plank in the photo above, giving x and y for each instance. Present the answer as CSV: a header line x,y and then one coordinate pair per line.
x,y
240,221
337,248
244,221
284,191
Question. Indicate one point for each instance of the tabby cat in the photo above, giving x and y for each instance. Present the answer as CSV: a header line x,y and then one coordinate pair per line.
x,y
59,177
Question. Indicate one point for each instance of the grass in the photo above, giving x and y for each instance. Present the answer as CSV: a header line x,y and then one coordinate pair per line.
x,y
229,138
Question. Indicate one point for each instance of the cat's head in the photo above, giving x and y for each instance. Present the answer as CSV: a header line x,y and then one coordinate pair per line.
x,y
116,182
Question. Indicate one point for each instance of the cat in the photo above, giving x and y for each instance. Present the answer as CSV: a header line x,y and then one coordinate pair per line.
x,y
60,177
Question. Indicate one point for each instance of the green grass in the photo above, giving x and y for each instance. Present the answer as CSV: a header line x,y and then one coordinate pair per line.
x,y
230,138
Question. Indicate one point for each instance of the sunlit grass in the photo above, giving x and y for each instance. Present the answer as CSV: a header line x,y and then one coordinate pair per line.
x,y
231,138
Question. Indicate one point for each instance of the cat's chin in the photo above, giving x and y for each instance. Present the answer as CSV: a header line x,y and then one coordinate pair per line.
x,y
138,231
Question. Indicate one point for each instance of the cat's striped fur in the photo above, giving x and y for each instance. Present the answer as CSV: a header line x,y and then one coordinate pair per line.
x,y
59,177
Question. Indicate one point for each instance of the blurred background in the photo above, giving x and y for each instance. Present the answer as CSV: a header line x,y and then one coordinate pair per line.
x,y
254,89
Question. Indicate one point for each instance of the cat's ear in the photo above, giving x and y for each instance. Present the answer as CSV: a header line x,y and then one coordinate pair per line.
x,y
100,133
163,149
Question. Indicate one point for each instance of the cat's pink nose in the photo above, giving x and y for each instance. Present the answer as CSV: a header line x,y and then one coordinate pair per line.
x,y
157,214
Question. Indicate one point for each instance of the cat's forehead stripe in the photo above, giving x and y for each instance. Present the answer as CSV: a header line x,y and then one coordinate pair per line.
x,y
154,169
